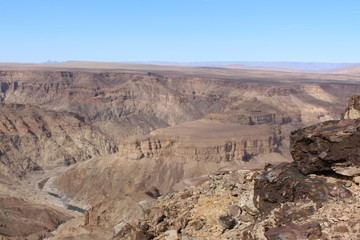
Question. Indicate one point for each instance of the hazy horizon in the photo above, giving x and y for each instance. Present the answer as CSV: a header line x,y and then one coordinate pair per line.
x,y
276,66
180,31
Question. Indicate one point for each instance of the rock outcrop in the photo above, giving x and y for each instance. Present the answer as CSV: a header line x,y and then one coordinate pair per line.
x,y
353,108
306,231
285,183
296,206
328,146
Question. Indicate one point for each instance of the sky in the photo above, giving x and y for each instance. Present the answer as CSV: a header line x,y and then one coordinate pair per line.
x,y
180,30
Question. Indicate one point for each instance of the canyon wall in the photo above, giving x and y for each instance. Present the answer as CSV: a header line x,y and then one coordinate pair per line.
x,y
33,139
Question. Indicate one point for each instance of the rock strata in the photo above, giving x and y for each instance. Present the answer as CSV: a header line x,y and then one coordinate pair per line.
x,y
33,139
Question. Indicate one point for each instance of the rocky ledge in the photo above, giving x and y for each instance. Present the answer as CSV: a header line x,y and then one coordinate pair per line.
x,y
314,197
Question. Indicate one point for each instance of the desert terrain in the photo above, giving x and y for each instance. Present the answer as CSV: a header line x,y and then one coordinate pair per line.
x,y
86,147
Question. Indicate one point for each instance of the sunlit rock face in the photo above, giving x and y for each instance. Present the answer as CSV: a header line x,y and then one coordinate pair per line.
x,y
353,108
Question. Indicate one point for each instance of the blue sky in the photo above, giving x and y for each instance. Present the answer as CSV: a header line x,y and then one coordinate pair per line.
x,y
180,30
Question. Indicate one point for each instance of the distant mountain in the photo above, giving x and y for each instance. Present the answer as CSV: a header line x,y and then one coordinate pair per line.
x,y
50,62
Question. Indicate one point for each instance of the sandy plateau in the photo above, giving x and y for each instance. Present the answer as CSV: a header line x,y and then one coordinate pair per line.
x,y
110,139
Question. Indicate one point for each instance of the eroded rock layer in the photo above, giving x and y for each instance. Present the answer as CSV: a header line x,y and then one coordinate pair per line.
x,y
33,139
123,103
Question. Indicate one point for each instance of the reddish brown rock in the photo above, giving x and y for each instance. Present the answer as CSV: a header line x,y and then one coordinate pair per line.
x,y
285,183
307,231
328,146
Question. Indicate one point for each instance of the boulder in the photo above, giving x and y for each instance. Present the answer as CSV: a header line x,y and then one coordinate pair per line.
x,y
329,146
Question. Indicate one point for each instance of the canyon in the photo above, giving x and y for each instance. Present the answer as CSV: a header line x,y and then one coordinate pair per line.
x,y
111,138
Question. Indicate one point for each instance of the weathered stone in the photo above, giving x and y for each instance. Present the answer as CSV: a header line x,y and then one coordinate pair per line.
x,y
227,222
242,186
156,216
153,192
328,146
171,235
123,230
250,209
197,224
353,108
244,218
181,221
186,194
232,234
234,210
340,192
307,231
246,203
341,228
347,184
356,179
235,192
145,205
284,183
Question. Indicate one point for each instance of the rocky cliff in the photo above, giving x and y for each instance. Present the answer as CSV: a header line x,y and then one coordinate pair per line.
x,y
140,102
33,139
